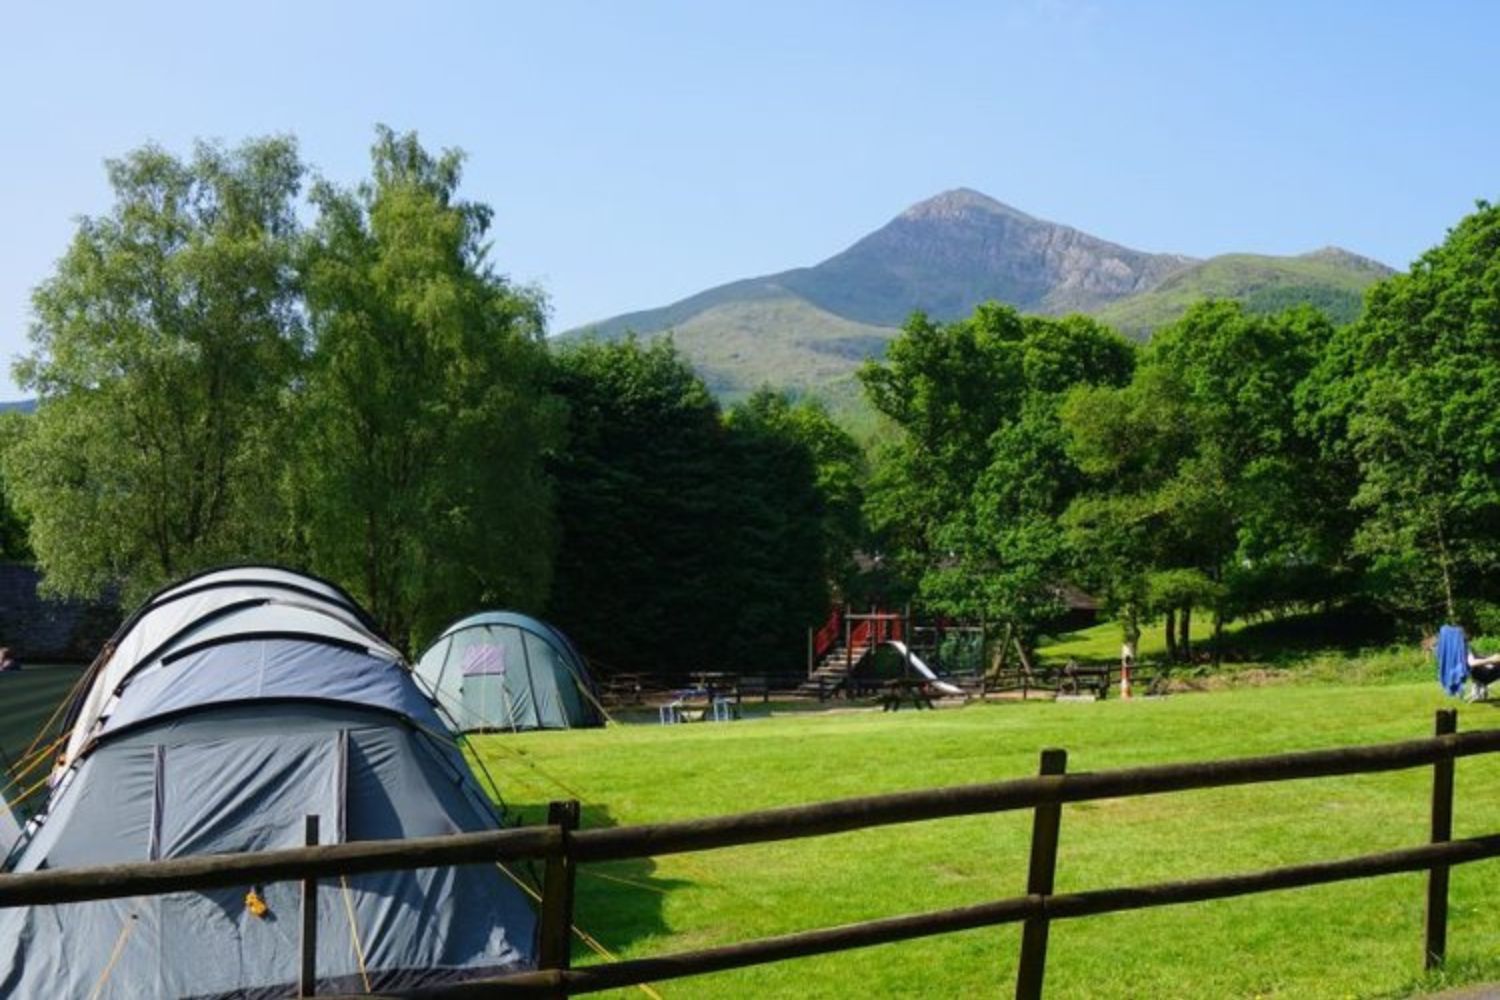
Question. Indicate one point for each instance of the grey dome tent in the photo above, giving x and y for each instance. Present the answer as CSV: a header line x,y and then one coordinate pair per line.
x,y
500,670
221,714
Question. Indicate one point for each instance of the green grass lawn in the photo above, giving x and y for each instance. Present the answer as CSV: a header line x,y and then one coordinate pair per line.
x,y
1101,643
1359,939
27,699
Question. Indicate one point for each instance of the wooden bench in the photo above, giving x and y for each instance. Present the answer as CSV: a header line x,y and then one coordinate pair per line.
x,y
1075,679
917,691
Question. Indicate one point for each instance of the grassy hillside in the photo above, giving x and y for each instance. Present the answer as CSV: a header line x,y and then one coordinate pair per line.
x,y
1332,280
1352,939
786,341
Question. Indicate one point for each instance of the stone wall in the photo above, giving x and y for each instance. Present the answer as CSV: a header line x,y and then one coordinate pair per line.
x,y
40,629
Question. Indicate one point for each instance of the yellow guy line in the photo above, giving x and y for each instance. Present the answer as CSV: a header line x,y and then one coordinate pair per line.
x,y
625,881
114,957
41,755
359,951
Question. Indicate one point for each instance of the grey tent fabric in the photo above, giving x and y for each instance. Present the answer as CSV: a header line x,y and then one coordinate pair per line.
x,y
197,608
223,740
500,670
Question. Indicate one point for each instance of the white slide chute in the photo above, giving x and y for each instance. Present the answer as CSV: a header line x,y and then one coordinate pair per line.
x,y
922,668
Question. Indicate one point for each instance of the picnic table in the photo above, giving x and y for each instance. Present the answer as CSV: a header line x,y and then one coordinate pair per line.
x,y
715,696
914,689
1077,678
624,689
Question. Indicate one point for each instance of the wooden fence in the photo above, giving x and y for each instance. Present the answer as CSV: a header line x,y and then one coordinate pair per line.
x,y
562,847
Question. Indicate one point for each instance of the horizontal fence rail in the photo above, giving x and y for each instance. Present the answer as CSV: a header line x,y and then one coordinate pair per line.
x,y
843,815
1005,911
218,871
563,847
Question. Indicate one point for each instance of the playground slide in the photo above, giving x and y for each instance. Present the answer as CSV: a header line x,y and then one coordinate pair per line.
x,y
923,669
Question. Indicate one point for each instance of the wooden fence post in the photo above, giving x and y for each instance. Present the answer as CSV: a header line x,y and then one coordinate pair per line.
x,y
307,980
556,944
1436,923
1045,823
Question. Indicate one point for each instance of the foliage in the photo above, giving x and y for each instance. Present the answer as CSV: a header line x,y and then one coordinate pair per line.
x,y
967,498
1408,397
690,542
162,350
839,468
637,508
1204,484
15,530
785,527
418,477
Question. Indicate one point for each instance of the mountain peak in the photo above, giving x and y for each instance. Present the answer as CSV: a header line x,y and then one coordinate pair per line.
x,y
1347,258
960,202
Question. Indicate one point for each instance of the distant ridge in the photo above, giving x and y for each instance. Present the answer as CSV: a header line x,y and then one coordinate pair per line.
x,y
942,256
809,328
1332,279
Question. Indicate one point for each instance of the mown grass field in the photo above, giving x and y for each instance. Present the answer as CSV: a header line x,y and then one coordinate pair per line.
x,y
27,699
1358,939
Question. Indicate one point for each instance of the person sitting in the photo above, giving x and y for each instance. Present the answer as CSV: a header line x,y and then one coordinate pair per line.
x,y
8,662
1458,663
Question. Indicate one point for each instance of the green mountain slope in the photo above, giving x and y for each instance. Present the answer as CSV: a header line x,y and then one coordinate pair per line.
x,y
1334,280
943,256
808,329
786,341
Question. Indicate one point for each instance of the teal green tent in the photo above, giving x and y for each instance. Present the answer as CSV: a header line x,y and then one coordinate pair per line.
x,y
504,671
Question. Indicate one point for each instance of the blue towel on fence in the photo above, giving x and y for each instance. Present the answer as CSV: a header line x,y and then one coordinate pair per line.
x,y
1452,658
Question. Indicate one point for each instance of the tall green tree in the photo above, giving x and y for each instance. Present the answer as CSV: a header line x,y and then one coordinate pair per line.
x,y
418,480
15,540
839,469
1408,396
162,352
968,495
643,540
779,522
1203,484
691,540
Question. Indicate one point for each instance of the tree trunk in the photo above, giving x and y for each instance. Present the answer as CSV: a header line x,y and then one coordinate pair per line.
x,y
1185,634
1171,635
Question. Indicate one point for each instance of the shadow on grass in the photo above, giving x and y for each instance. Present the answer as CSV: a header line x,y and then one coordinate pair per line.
x,y
1282,640
618,904
1345,630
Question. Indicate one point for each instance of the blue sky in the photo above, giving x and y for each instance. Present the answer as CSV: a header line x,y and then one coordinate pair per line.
x,y
639,152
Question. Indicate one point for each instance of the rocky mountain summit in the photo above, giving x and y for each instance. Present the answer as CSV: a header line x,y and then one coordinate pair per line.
x,y
809,327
